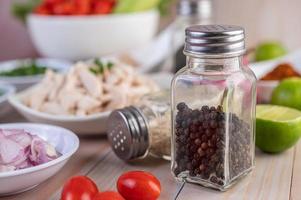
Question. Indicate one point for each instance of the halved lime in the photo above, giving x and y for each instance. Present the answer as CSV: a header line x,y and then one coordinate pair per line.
x,y
277,128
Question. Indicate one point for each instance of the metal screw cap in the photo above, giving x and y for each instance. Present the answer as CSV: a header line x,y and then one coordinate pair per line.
x,y
214,40
127,133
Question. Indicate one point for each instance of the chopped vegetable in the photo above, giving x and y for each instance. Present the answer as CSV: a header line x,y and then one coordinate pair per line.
x,y
86,7
26,69
127,6
99,67
21,10
19,149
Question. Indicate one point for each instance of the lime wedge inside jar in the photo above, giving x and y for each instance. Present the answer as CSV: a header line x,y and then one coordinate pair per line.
x,y
277,128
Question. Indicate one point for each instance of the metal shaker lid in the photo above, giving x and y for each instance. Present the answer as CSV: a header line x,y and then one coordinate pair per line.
x,y
201,8
127,133
215,40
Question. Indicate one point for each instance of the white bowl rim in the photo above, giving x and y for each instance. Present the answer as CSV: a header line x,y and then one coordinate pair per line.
x,y
45,165
15,102
96,16
8,91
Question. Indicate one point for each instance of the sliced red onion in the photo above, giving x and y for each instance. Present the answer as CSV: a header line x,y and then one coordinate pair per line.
x,y
19,149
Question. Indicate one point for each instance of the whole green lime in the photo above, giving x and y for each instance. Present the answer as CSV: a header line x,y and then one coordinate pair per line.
x,y
288,93
277,128
269,50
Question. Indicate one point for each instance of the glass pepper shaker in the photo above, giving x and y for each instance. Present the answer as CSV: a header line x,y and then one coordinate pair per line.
x,y
138,131
213,109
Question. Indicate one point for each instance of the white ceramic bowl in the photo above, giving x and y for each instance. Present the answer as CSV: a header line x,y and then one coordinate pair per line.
x,y
84,37
92,124
64,141
7,91
23,82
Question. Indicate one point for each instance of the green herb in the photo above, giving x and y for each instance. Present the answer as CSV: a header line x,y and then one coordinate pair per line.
x,y
21,10
100,67
26,69
110,65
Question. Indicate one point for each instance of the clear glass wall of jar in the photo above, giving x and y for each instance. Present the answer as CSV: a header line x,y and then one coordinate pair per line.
x,y
142,130
213,109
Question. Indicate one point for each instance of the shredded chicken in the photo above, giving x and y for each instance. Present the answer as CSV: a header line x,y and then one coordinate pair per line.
x,y
83,91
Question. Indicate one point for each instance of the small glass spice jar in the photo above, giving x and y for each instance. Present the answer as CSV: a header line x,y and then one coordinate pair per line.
x,y
137,131
213,109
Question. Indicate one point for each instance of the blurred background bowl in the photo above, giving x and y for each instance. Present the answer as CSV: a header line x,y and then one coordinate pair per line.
x,y
83,37
6,90
23,82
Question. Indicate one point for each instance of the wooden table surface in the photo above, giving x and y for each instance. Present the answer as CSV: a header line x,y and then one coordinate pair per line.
x,y
276,177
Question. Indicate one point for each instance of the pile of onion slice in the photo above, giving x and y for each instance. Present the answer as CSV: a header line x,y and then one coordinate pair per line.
x,y
19,149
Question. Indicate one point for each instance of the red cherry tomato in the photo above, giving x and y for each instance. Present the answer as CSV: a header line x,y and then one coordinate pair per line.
x,y
52,1
137,185
103,7
42,10
83,7
79,188
64,8
108,195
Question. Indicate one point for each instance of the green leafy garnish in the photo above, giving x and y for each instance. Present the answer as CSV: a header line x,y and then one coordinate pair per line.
x,y
26,69
100,66
110,65
21,10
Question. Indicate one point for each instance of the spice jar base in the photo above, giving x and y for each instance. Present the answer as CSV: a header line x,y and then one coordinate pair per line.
x,y
220,186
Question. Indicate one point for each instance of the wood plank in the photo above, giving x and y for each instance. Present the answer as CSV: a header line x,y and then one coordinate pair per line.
x,y
296,178
271,179
12,117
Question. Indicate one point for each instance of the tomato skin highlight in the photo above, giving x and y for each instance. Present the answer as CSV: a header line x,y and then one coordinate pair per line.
x,y
108,195
79,188
137,185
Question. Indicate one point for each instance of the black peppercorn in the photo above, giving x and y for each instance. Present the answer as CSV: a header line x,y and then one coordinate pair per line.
x,y
200,141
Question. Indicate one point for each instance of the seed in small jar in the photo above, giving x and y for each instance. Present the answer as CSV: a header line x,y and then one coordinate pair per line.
x,y
181,106
204,145
201,152
198,141
205,108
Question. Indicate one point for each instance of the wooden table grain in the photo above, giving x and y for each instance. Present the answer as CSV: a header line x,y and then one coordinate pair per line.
x,y
276,177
